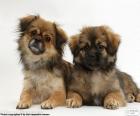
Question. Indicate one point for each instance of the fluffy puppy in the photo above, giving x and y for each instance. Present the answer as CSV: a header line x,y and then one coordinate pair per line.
x,y
41,47
95,79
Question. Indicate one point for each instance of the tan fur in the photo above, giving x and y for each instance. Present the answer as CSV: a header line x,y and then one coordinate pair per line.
x,y
75,100
138,97
49,82
73,41
130,97
114,100
43,73
97,84
25,99
56,99
90,84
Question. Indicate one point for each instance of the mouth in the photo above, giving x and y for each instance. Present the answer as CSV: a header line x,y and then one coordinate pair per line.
x,y
88,67
36,46
86,64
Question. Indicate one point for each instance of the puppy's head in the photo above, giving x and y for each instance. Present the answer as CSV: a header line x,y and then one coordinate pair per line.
x,y
95,48
40,41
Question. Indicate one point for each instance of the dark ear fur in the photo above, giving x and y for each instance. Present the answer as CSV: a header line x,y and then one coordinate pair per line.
x,y
60,39
114,43
73,44
26,21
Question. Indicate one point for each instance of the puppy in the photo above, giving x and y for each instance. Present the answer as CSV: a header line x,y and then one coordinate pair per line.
x,y
95,79
41,47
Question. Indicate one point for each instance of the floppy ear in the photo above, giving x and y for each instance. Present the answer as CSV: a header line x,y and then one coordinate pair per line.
x,y
26,21
113,39
61,38
73,43
114,42
117,40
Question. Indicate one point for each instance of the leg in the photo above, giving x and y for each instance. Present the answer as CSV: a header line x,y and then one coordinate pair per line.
x,y
73,99
128,85
58,98
26,95
130,98
25,100
114,100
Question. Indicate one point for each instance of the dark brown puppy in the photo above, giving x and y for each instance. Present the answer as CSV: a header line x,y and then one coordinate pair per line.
x,y
41,47
95,79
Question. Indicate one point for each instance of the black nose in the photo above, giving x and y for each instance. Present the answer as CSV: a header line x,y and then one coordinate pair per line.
x,y
91,55
36,46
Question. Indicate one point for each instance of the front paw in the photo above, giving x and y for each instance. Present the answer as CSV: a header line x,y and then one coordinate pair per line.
x,y
73,103
111,103
49,104
24,104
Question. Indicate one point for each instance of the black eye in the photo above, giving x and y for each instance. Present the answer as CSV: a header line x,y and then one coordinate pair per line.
x,y
34,32
81,49
47,38
101,47
86,47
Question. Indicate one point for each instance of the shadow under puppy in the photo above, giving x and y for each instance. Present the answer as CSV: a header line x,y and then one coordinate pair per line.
x,y
41,47
95,79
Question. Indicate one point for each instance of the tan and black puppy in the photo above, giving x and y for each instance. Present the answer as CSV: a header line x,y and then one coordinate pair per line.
x,y
41,47
95,79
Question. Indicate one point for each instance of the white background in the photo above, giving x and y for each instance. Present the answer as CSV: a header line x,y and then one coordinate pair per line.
x,y
122,15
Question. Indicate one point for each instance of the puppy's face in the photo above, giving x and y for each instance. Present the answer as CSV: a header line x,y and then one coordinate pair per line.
x,y
95,48
40,40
